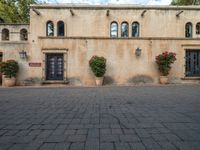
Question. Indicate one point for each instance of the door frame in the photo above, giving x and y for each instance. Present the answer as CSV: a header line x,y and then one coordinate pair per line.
x,y
65,63
55,65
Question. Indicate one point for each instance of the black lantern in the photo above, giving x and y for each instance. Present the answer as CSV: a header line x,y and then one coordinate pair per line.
x,y
138,51
23,54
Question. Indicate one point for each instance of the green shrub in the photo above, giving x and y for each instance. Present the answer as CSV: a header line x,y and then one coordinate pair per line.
x,y
98,66
9,68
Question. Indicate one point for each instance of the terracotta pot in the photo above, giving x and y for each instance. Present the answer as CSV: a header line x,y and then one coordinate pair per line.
x,y
99,81
164,79
9,82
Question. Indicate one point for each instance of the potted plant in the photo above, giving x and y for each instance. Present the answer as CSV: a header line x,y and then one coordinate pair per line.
x,y
9,69
98,67
164,62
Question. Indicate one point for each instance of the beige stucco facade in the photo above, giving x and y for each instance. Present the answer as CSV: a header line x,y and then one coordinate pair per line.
x,y
87,33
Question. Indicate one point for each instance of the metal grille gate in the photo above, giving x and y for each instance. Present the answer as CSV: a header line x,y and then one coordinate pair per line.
x,y
54,66
192,63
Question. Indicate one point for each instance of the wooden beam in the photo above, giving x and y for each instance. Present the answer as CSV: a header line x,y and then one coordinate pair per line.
x,y
108,12
144,11
71,11
178,14
36,11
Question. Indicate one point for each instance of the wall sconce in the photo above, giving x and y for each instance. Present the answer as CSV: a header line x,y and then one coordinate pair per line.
x,y
23,54
138,51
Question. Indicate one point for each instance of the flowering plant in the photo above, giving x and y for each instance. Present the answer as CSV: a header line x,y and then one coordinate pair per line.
x,y
9,68
98,65
164,62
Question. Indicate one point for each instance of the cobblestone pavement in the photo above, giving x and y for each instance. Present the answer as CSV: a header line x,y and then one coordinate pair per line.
x,y
105,118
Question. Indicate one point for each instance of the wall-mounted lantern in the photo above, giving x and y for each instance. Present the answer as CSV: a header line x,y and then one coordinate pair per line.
x,y
23,54
138,51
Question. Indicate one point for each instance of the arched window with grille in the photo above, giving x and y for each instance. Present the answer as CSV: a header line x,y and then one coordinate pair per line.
x,y
5,35
23,35
49,28
60,28
188,30
124,29
198,29
114,29
135,29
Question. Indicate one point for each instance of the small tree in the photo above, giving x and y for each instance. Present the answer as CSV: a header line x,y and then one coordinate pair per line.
x,y
9,68
164,62
98,66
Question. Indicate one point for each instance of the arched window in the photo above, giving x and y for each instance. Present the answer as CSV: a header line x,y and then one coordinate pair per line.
x,y
61,28
124,29
114,29
5,35
50,28
135,29
198,28
23,35
188,30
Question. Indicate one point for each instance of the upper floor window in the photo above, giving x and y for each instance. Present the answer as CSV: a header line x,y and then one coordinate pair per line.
x,y
61,28
188,30
23,35
124,29
135,29
5,35
198,28
49,28
114,29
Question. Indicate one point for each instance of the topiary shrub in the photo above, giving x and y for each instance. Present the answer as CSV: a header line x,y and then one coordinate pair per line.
x,y
9,68
98,66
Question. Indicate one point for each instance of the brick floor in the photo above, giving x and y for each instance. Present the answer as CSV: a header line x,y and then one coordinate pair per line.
x,y
105,118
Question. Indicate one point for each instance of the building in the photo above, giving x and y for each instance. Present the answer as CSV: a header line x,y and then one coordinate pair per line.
x,y
60,40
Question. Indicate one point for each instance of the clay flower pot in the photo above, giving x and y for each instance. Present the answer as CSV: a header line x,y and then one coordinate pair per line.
x,y
99,81
9,82
164,80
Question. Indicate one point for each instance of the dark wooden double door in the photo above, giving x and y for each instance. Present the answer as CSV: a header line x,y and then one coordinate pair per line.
x,y
54,67
193,63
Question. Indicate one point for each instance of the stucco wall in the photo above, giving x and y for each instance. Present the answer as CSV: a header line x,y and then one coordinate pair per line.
x,y
87,33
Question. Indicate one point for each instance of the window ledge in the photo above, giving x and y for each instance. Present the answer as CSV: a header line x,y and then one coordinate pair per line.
x,y
190,78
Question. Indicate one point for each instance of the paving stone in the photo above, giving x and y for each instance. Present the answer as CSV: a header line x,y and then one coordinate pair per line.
x,y
109,138
92,144
137,146
62,146
56,138
47,146
129,138
77,146
122,146
18,147
76,138
107,146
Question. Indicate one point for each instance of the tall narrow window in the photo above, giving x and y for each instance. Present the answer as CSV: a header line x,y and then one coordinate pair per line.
x,y
114,29
135,29
198,29
23,35
61,28
124,29
188,30
49,28
5,35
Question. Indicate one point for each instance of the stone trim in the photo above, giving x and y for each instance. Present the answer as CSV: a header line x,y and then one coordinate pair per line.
x,y
130,38
14,42
14,24
122,7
